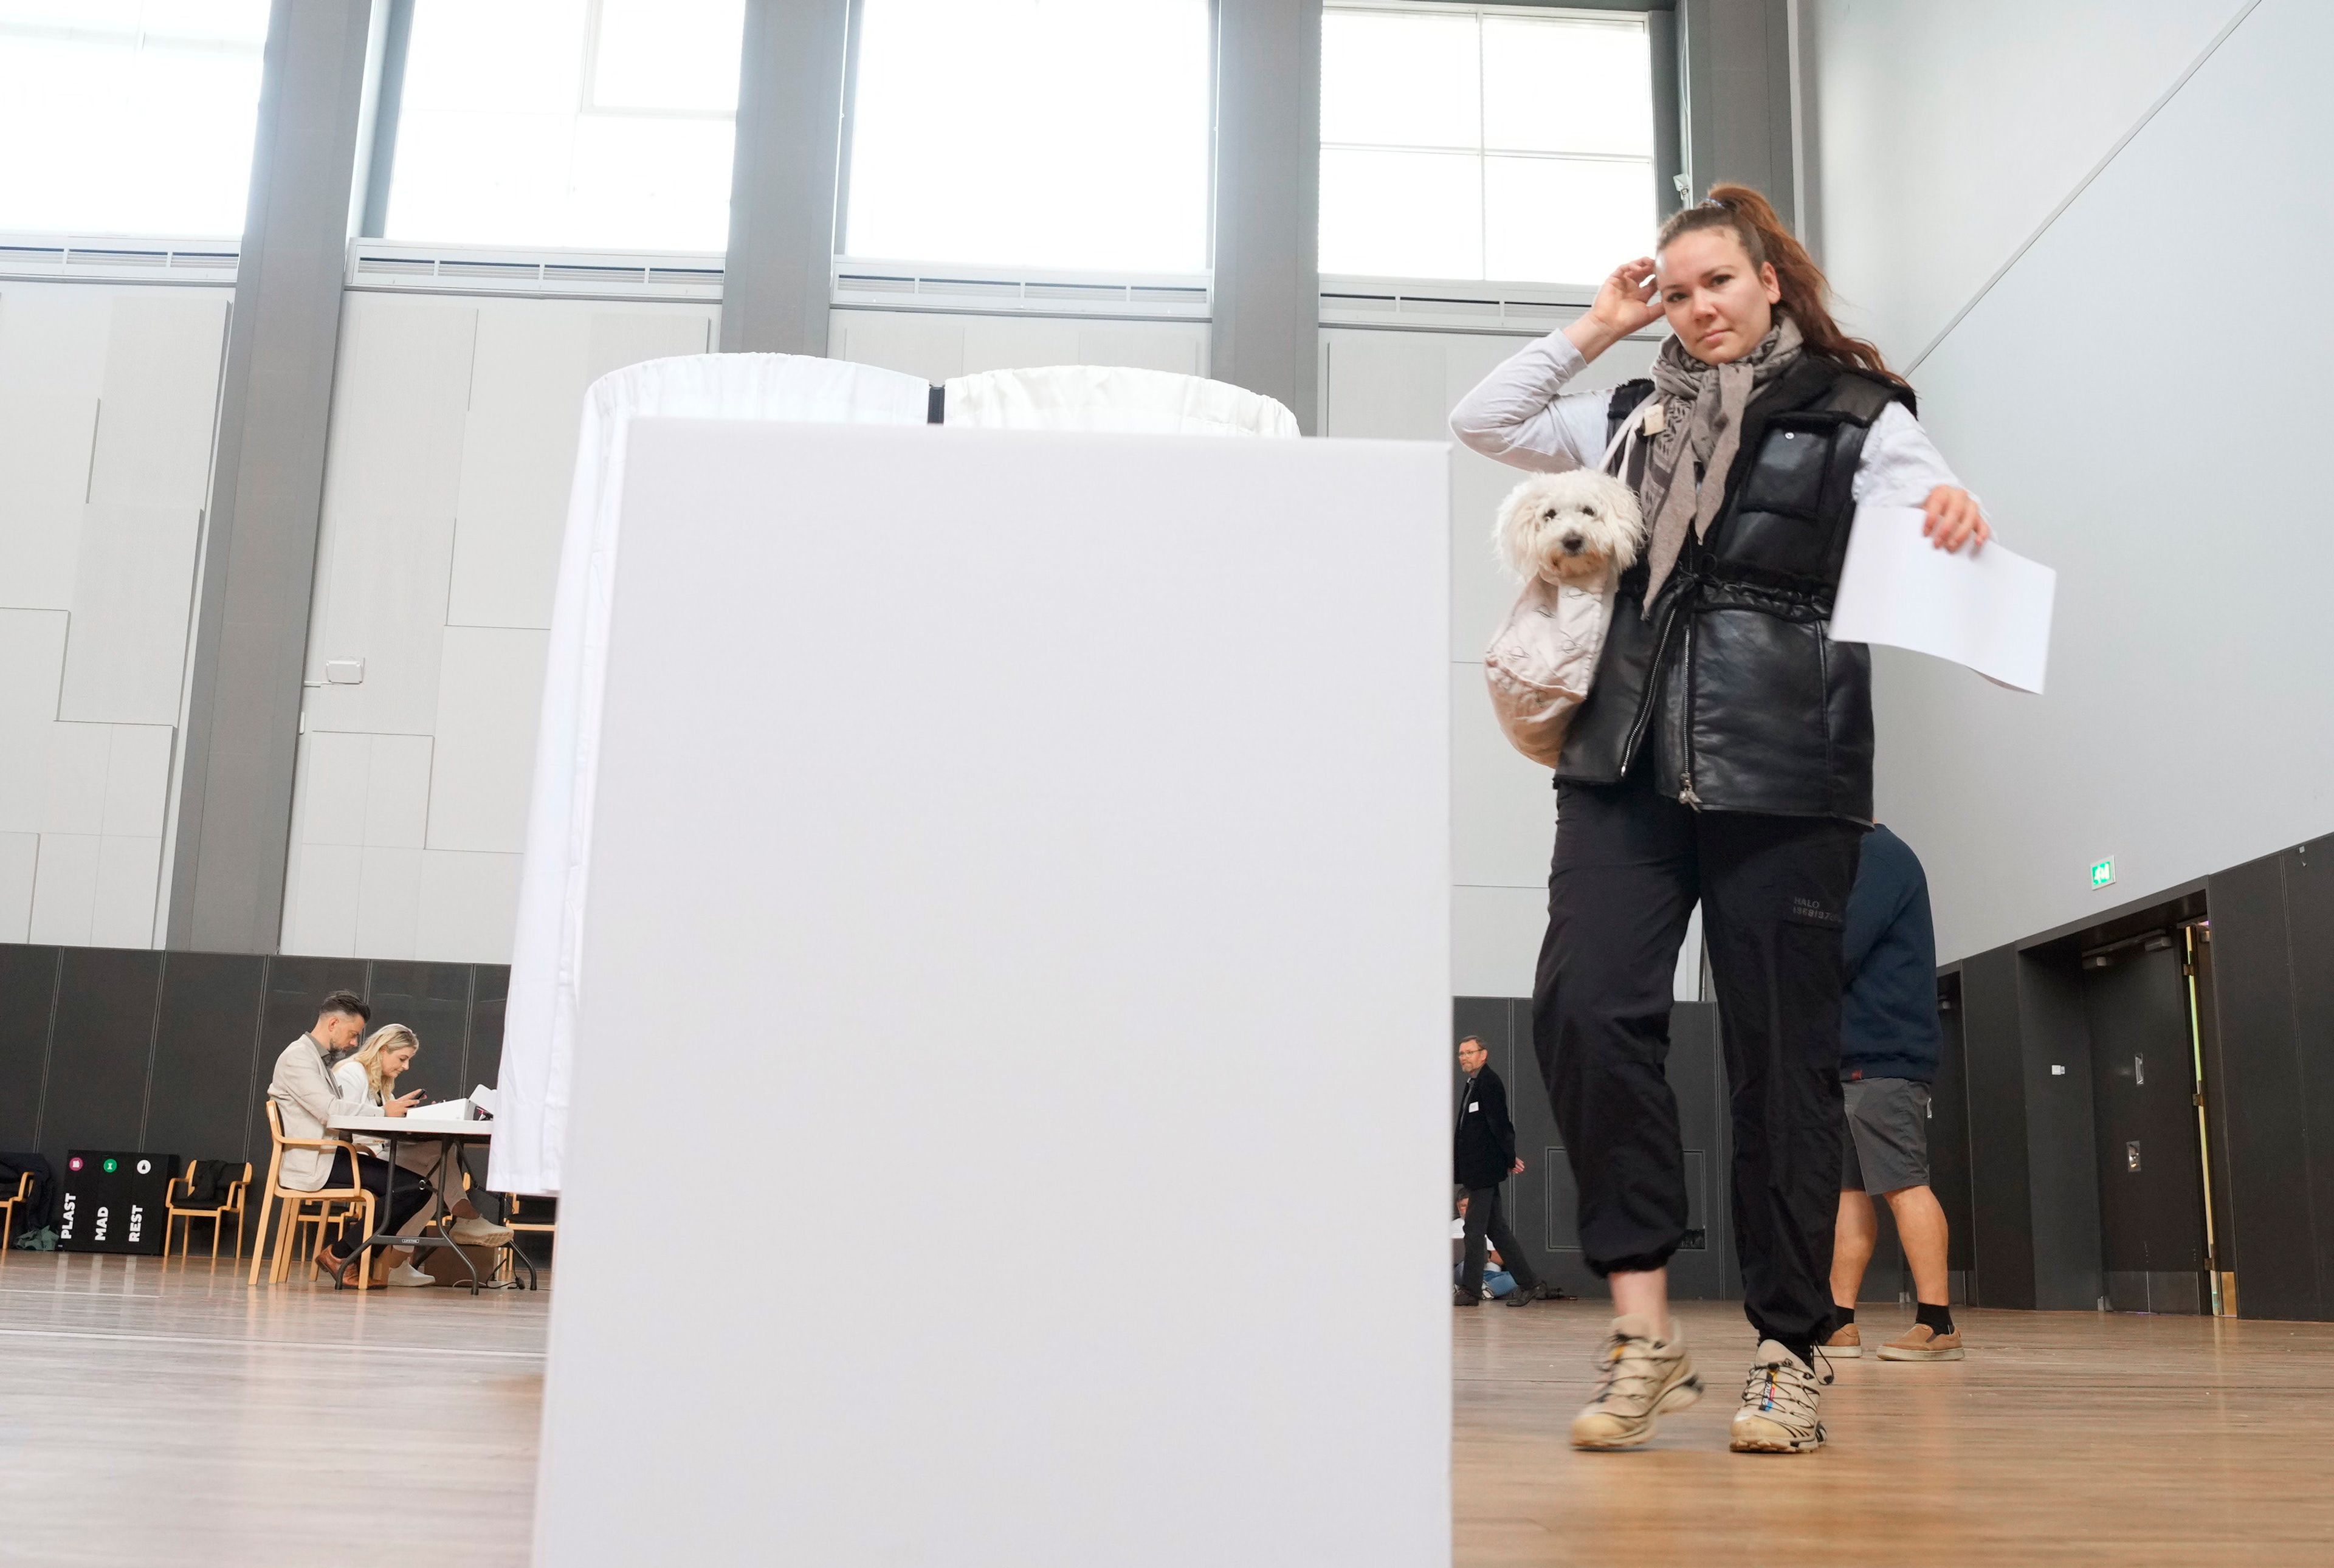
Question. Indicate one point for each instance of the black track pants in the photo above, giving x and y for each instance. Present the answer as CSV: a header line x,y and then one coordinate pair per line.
x,y
1629,867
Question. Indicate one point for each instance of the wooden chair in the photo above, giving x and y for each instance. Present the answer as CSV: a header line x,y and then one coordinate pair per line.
x,y
513,1216
22,1195
184,1188
296,1202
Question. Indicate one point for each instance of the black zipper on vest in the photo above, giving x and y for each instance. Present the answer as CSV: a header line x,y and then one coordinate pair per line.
x,y
1685,726
1652,687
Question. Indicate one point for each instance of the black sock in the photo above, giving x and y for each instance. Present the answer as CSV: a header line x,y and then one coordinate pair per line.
x,y
1842,1316
1939,1319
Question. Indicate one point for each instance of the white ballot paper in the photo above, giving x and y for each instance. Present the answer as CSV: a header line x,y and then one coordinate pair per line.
x,y
1990,610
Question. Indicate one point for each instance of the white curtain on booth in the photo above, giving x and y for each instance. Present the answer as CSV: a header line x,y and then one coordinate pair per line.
x,y
539,1026
1116,399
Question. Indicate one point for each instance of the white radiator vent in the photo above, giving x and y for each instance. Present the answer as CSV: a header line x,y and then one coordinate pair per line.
x,y
866,284
116,258
386,265
1448,306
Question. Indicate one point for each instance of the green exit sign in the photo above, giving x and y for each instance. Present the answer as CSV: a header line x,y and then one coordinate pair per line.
x,y
2102,872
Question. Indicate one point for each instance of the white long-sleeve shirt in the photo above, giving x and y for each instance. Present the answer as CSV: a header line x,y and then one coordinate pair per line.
x,y
1521,415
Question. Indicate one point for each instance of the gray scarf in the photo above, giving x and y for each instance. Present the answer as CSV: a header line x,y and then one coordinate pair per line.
x,y
1701,409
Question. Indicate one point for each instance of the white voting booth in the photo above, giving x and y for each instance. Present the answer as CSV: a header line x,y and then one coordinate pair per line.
x,y
1019,882
555,884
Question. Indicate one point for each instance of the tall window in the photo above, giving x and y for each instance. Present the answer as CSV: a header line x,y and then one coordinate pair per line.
x,y
1480,143
1068,134
591,123
129,116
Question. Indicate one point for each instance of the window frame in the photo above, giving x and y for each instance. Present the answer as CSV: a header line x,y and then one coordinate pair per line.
x,y
147,239
846,264
1416,298
374,186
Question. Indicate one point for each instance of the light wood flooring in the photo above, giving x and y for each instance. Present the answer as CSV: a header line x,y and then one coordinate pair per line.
x,y
2064,1437
166,1415
154,1414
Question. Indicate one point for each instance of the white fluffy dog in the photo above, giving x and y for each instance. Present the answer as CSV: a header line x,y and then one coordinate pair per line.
x,y
1574,527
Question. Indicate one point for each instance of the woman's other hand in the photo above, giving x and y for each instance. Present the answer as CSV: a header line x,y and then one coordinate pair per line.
x,y
1954,519
401,1104
1625,305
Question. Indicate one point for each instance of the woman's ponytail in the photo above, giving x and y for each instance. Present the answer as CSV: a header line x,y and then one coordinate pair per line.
x,y
1806,295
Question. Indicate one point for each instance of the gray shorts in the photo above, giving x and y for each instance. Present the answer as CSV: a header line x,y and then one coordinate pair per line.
x,y
1887,1142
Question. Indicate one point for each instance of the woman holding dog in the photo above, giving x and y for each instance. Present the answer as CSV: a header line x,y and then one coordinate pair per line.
x,y
1724,755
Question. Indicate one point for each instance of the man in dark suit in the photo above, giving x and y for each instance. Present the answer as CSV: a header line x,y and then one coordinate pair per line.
x,y
1484,1155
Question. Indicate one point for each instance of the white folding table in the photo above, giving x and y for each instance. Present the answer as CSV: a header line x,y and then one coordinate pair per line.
x,y
450,1137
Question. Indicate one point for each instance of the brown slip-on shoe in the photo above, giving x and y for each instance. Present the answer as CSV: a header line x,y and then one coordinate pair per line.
x,y
1846,1343
1924,1343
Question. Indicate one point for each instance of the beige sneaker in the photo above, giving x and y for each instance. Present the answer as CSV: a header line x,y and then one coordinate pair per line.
x,y
1845,1344
478,1231
1779,1405
1643,1378
1924,1343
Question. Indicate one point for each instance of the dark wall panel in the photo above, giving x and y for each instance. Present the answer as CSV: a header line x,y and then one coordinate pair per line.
x,y
2001,1232
489,991
2262,1096
1542,1204
99,1049
294,985
203,1088
1697,1074
2061,1132
2310,951
28,984
433,1000
1949,1159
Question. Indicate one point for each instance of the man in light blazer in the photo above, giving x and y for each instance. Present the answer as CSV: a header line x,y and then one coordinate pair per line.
x,y
307,1099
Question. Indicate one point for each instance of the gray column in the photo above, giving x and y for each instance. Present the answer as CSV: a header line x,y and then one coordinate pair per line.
x,y
782,187
1267,288
1669,120
259,551
1738,97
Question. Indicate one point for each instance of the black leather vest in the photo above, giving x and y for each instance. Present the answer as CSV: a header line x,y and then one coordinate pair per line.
x,y
1732,690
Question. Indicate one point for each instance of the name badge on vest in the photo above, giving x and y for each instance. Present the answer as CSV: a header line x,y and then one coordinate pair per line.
x,y
1472,1106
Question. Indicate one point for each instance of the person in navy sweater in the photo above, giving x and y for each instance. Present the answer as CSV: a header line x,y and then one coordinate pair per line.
x,y
1888,1047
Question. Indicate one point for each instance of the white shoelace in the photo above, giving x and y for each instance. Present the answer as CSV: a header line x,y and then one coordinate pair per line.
x,y
1629,1360
1785,1390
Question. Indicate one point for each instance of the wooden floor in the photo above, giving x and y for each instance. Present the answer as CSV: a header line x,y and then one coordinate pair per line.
x,y
170,1415
2064,1437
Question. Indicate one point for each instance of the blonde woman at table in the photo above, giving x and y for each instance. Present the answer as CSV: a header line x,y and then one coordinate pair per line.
x,y
372,1074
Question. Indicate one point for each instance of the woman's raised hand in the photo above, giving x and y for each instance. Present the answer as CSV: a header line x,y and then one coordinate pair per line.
x,y
1626,302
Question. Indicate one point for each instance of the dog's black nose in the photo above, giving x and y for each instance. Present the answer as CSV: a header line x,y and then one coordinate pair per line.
x,y
1572,544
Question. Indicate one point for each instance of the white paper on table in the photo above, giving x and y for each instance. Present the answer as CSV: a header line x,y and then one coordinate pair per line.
x,y
485,1100
442,1110
1990,610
